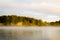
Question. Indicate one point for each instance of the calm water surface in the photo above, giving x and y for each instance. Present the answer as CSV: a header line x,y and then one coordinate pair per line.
x,y
29,33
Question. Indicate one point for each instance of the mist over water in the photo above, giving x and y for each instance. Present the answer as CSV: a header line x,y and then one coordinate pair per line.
x,y
29,33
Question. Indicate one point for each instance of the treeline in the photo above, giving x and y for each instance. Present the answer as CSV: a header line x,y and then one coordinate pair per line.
x,y
25,21
56,23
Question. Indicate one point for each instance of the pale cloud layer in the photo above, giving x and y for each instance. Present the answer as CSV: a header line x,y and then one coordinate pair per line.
x,y
48,10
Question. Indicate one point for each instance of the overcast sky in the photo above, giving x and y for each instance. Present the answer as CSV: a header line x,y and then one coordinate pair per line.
x,y
47,10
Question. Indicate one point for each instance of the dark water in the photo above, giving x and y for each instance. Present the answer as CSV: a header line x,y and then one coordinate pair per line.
x,y
29,33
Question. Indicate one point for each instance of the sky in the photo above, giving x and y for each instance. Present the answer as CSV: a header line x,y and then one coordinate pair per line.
x,y
47,10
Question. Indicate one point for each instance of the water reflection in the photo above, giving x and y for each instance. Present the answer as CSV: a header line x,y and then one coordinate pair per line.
x,y
29,33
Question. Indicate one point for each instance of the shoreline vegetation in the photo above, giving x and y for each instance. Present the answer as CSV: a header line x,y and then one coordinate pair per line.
x,y
13,20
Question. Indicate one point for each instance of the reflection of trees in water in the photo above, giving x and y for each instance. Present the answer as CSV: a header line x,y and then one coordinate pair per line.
x,y
30,34
19,35
2,35
7,35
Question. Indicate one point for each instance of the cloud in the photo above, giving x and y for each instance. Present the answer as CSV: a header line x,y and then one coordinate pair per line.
x,y
52,6
33,5
51,18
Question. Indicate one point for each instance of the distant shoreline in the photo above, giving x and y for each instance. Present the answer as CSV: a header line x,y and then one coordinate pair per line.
x,y
13,20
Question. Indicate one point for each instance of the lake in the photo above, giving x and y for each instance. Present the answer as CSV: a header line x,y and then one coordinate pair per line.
x,y
29,33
